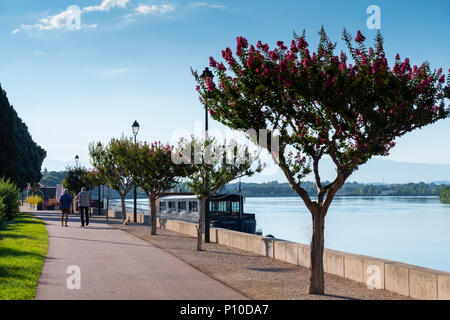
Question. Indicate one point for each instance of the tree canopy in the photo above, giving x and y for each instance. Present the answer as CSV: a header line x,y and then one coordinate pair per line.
x,y
21,158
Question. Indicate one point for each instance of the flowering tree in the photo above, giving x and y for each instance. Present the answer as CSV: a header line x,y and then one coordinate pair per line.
x,y
348,108
108,162
213,165
152,169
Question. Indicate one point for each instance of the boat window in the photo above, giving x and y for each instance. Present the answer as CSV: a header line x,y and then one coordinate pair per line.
x,y
172,205
235,207
222,207
193,206
182,205
162,206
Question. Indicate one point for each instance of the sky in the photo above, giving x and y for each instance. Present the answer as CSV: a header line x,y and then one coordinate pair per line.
x,y
130,60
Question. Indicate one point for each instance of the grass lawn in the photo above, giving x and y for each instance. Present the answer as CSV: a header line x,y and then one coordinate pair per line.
x,y
23,247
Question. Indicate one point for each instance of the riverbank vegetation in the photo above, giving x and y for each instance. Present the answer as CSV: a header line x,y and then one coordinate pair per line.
x,y
23,248
445,195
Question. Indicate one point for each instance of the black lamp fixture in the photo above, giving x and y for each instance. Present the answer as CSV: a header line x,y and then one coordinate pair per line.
x,y
205,75
135,127
77,160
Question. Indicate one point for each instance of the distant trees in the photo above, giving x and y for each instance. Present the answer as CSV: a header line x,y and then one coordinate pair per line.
x,y
52,178
445,195
20,157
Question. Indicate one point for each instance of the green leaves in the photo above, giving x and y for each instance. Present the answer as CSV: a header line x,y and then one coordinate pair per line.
x,y
211,165
152,168
109,164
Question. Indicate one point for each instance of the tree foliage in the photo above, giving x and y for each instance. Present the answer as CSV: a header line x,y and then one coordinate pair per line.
x,y
445,195
76,178
109,164
213,165
152,170
9,200
21,158
349,107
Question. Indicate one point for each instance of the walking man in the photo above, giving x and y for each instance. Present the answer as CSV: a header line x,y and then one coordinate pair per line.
x,y
65,203
85,199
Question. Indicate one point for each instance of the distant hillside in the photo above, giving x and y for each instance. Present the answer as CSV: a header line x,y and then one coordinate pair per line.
x,y
275,189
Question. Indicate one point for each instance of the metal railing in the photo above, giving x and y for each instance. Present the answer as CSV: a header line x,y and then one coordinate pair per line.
x,y
166,213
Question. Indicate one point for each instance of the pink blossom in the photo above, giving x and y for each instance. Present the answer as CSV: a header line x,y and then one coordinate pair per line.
x,y
221,67
212,62
442,79
436,109
210,84
212,112
359,37
302,44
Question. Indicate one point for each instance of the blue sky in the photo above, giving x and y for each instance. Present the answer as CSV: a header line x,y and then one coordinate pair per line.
x,y
130,60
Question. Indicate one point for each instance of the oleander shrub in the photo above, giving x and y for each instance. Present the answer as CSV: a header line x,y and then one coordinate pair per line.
x,y
2,211
9,200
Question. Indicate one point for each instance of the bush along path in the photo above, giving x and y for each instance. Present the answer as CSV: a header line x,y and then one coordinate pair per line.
x,y
23,248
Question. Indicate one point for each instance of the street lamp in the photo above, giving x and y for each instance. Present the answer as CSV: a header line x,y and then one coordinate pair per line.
x,y
135,127
205,75
77,159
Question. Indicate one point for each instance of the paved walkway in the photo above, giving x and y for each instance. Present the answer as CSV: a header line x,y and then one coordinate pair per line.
x,y
117,265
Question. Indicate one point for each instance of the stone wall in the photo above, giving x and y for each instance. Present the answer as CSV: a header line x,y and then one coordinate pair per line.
x,y
408,280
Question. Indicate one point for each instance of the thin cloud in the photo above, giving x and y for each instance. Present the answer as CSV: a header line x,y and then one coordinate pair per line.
x,y
113,72
208,5
154,10
107,5
39,53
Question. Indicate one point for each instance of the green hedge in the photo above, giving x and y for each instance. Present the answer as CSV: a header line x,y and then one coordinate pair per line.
x,y
9,200
445,195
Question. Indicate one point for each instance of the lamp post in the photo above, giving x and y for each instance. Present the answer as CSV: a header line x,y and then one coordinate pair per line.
x,y
135,127
205,75
77,159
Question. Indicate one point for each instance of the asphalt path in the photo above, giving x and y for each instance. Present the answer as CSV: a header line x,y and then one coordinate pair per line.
x,y
103,262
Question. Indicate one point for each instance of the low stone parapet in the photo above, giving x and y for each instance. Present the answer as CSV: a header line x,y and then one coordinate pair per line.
x,y
405,279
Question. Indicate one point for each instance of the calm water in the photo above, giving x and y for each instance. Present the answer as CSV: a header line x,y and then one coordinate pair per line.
x,y
414,230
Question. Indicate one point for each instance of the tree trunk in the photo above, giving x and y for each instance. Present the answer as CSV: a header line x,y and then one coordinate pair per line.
x,y
201,223
124,209
153,214
317,284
